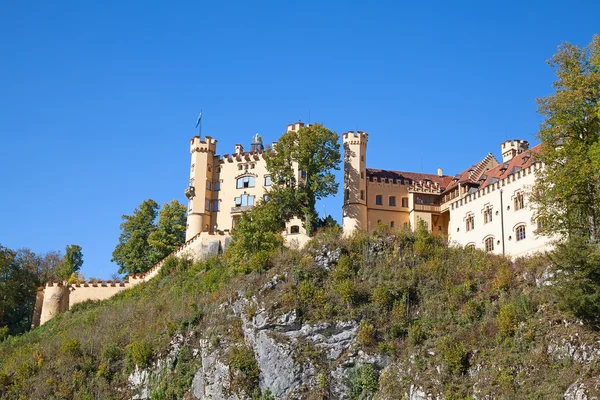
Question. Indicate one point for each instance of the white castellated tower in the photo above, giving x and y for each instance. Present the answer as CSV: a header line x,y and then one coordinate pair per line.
x,y
355,181
512,148
198,192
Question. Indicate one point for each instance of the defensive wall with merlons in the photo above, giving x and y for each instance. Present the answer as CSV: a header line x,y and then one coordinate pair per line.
x,y
56,296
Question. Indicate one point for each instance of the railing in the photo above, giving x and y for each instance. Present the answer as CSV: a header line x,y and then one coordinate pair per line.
x,y
424,189
240,209
427,207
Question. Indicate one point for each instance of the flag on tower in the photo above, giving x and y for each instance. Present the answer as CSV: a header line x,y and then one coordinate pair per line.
x,y
199,119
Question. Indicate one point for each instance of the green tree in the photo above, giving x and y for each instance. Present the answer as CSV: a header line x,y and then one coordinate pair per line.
x,y
17,293
43,266
566,195
316,152
170,229
256,234
134,253
71,262
567,190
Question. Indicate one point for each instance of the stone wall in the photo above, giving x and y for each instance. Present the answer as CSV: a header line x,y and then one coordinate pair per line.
x,y
56,297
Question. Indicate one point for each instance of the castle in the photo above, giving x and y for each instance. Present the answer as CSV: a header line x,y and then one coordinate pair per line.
x,y
484,206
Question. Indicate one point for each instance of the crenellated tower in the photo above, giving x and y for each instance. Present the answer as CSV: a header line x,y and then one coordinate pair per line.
x,y
355,181
199,192
512,148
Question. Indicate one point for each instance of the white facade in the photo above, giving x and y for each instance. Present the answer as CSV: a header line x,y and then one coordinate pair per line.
x,y
502,218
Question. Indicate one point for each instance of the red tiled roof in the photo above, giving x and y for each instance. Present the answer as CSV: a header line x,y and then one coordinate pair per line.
x,y
517,163
414,176
472,174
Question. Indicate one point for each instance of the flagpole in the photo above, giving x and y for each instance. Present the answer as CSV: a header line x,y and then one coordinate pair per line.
x,y
200,133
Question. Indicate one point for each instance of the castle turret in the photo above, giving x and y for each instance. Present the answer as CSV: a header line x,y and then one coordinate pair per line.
x,y
199,192
511,148
257,143
56,300
355,181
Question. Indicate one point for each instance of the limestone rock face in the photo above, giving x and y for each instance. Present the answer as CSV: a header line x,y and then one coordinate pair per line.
x,y
298,360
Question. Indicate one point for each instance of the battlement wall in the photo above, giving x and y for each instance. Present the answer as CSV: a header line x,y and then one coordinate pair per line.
x,y
59,296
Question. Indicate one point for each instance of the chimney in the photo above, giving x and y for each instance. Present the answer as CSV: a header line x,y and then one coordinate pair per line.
x,y
440,172
239,149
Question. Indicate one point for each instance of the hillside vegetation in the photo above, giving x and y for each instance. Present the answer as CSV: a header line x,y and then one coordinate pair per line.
x,y
454,322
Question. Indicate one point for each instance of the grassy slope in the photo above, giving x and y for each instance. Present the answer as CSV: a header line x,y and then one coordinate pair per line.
x,y
455,309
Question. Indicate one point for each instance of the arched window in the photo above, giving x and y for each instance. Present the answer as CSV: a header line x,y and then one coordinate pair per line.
x,y
471,246
520,231
245,182
519,201
489,244
470,222
487,215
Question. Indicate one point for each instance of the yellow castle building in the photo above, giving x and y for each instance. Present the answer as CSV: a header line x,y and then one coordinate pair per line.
x,y
485,206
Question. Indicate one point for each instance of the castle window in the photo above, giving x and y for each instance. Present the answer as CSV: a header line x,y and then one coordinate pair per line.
x,y
209,168
346,194
246,166
267,181
240,167
405,202
362,194
470,222
489,244
392,201
471,246
215,205
379,200
252,166
208,185
540,223
391,224
207,205
362,175
244,200
294,229
519,201
190,205
217,186
245,182
266,198
487,215
193,165
362,158
520,232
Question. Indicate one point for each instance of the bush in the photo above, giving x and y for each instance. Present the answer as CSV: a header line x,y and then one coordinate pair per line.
x,y
138,353
242,359
346,290
3,333
507,319
366,334
382,298
454,355
362,382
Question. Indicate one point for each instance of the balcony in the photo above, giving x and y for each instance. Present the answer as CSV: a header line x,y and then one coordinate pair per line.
x,y
240,209
190,192
433,208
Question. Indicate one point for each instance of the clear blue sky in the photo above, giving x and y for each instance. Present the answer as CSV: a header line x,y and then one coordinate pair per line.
x,y
98,99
